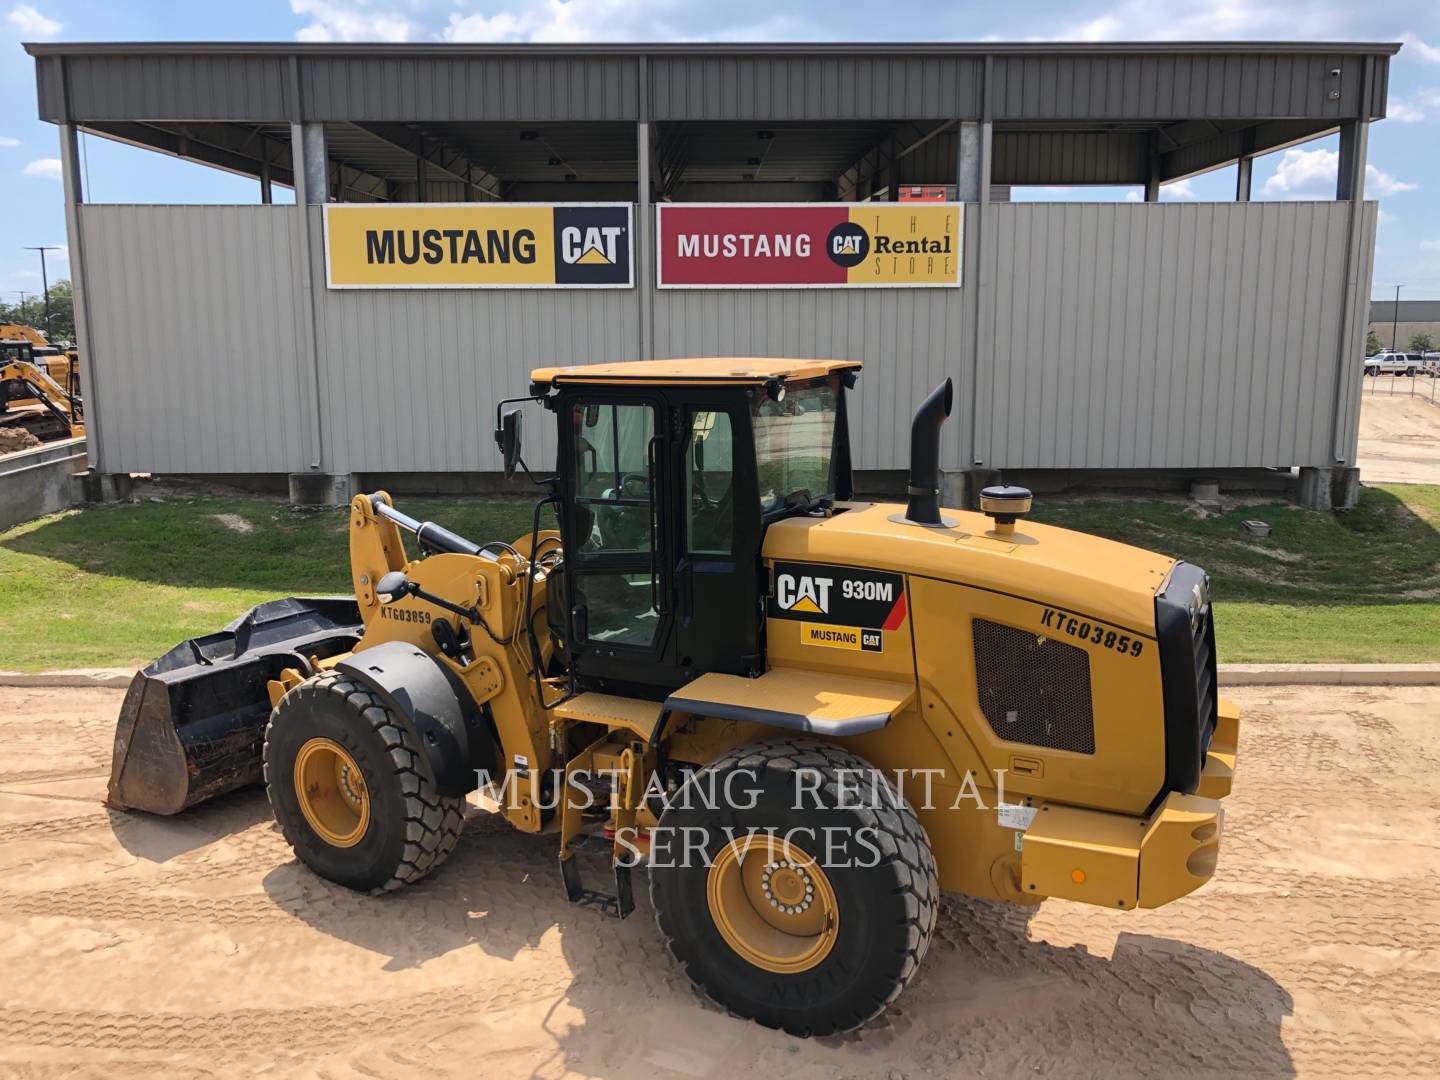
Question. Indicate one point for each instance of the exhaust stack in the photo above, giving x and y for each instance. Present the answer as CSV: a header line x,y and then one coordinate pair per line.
x,y
924,491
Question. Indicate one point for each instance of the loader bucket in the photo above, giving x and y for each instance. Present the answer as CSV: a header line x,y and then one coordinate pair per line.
x,y
192,725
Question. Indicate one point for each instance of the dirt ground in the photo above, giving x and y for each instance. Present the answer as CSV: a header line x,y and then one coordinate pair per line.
x,y
1399,434
197,946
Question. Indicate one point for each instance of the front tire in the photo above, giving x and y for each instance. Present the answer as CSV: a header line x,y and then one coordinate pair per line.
x,y
353,794
799,935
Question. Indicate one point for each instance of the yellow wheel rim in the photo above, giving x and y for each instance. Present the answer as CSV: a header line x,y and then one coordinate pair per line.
x,y
331,791
773,904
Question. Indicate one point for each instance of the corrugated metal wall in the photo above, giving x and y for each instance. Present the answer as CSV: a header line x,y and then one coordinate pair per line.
x,y
199,337
1163,335
1110,336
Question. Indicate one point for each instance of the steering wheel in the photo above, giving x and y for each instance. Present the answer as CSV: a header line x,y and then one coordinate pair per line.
x,y
635,485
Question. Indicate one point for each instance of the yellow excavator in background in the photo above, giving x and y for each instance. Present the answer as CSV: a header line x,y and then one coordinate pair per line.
x,y
50,379
62,364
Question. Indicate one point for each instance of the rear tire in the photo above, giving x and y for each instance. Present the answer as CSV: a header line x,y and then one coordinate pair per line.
x,y
401,828
883,914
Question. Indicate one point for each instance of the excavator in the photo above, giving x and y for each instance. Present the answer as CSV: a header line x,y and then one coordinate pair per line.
x,y
28,379
799,715
61,364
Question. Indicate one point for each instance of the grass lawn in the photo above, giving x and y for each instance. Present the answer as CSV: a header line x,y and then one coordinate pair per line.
x,y
1360,587
117,585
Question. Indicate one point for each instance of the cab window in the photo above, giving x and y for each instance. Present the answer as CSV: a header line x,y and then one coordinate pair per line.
x,y
612,475
710,484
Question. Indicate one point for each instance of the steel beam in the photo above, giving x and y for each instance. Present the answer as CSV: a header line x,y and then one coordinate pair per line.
x,y
436,152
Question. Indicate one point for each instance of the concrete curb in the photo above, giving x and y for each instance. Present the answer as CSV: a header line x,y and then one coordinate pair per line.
x,y
1330,674
1230,675
74,677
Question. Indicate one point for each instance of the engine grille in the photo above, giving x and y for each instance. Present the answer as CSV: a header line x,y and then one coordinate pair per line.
x,y
1032,689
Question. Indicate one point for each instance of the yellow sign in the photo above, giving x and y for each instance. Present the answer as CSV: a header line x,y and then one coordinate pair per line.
x,y
851,638
909,244
478,246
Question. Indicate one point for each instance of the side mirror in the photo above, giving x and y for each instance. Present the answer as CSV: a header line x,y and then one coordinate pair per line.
x,y
393,586
507,437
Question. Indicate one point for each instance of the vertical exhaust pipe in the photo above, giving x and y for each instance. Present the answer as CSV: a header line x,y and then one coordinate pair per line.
x,y
924,491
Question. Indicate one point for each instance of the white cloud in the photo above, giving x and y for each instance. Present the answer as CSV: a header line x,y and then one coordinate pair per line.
x,y
1310,174
1404,112
1134,196
1415,49
1380,183
351,20
1413,109
6,142
47,168
1303,171
1430,245
1180,190
617,20
31,23
1210,20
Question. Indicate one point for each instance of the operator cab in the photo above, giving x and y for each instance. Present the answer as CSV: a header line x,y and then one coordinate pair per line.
x,y
668,474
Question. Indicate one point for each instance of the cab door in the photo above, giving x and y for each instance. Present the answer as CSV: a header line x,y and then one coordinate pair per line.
x,y
614,522
717,539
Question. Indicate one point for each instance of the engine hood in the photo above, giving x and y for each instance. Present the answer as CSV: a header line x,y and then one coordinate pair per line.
x,y
1084,574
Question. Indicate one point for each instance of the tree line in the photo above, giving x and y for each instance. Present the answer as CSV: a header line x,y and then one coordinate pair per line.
x,y
1419,342
32,312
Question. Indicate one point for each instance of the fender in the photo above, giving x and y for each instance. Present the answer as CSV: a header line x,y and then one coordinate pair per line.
x,y
446,723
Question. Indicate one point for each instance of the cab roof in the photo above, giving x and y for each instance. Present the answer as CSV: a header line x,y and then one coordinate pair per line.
x,y
708,371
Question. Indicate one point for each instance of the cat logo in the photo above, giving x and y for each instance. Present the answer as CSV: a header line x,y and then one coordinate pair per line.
x,y
803,593
595,245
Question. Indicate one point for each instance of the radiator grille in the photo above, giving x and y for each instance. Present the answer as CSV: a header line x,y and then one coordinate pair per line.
x,y
1034,690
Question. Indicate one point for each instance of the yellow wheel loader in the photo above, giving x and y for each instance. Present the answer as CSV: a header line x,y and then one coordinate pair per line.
x,y
801,714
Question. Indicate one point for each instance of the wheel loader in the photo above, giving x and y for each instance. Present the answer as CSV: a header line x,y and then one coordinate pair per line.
x,y
801,715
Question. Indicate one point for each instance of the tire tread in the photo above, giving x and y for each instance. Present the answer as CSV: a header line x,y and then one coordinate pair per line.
x,y
905,849
433,822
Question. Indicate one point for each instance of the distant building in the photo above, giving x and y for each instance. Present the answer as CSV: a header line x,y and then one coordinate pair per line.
x,y
1416,317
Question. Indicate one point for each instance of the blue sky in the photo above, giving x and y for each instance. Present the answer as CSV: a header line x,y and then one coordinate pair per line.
x,y
1404,149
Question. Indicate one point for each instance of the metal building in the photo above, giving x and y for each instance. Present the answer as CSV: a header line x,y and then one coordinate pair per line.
x,y
1189,338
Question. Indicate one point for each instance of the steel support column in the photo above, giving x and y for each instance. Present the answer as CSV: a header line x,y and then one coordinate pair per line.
x,y
1245,166
307,149
79,290
969,180
644,242
1354,310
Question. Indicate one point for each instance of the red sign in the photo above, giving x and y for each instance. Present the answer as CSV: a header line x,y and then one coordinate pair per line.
x,y
807,245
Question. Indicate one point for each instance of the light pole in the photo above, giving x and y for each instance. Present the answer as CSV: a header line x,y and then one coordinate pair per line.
x,y
45,282
1395,319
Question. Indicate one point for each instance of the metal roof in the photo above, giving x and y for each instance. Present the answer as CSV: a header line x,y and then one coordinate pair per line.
x,y
272,82
495,116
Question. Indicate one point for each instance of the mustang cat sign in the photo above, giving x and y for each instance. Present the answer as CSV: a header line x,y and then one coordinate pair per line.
x,y
808,245
479,246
